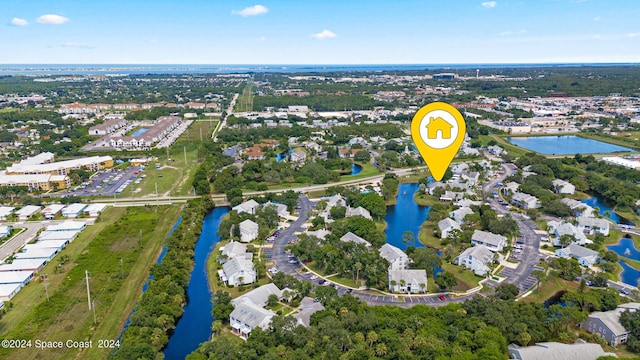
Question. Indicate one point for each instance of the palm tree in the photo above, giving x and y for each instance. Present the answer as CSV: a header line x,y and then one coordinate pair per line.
x,y
216,327
358,266
540,275
372,337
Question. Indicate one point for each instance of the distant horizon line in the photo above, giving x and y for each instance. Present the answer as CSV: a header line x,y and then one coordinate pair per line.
x,y
337,64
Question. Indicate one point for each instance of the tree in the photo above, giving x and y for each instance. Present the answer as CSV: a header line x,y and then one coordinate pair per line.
x,y
234,196
408,238
566,240
325,294
222,307
338,212
540,275
507,291
272,300
426,258
375,204
446,280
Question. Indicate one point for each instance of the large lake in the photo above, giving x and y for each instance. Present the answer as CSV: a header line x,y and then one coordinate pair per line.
x,y
564,145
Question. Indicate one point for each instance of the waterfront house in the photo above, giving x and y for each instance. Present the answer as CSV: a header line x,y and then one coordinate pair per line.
x,y
238,271
446,226
590,225
586,257
563,187
351,237
459,214
248,230
247,316
248,207
397,258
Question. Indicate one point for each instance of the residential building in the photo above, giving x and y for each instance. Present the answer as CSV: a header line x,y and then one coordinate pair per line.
x,y
238,271
476,259
510,188
73,210
247,316
409,281
459,214
91,164
590,225
42,253
16,277
248,207
563,187
5,212
493,242
67,226
51,211
578,208
586,257
39,182
28,211
248,230
259,296
397,258
335,200
525,201
5,231
558,351
163,126
280,208
107,127
446,226
308,307
566,228
8,291
298,156
94,210
607,324
33,265
233,249
358,211
351,237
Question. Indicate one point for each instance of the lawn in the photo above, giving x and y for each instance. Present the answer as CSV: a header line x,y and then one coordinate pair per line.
x,y
424,199
108,250
466,279
413,178
549,288
367,171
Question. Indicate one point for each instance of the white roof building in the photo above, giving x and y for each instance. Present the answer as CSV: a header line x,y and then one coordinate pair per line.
x,y
259,296
41,253
73,210
359,211
248,230
8,291
459,214
234,249
397,258
351,237
16,277
247,316
563,187
476,259
493,242
67,226
68,235
247,206
568,229
590,225
586,257
5,212
34,265
58,244
525,201
239,271
27,212
52,210
447,225
94,210
409,281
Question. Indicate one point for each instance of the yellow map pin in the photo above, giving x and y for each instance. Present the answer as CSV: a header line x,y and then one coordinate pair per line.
x,y
438,129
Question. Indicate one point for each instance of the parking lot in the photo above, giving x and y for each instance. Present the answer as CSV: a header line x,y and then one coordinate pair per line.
x,y
108,182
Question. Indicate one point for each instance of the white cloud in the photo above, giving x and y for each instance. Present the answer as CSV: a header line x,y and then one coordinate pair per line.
x,y
154,41
489,4
325,34
597,18
19,22
76,45
251,11
632,35
506,33
261,38
52,19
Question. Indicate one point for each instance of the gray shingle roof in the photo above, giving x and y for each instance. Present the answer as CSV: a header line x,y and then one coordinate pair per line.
x,y
558,351
351,237
390,252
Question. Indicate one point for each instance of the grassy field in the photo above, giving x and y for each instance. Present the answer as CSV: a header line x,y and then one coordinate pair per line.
x,y
132,237
466,279
367,170
550,287
175,176
413,178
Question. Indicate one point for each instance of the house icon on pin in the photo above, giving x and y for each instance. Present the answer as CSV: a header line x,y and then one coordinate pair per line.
x,y
438,125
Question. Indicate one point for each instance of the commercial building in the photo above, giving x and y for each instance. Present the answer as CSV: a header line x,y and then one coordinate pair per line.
x,y
41,182
92,164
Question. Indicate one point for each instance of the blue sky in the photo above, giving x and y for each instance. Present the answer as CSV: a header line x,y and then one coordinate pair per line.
x,y
319,32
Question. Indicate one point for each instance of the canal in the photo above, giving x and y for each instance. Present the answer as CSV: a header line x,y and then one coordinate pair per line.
x,y
194,327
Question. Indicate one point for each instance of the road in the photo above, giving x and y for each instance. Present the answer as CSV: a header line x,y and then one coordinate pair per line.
x,y
530,255
281,261
223,123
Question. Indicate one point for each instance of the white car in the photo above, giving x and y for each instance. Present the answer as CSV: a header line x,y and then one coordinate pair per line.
x,y
313,277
